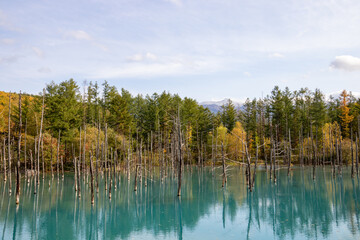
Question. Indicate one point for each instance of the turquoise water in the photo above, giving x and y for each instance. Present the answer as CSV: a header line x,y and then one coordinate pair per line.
x,y
295,207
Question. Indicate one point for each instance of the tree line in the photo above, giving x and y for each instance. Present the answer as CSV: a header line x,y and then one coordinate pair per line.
x,y
100,129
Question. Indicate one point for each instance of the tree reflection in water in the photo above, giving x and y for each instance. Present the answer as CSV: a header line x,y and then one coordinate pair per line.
x,y
296,207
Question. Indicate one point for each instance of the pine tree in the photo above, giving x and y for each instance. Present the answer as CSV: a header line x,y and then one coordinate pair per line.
x,y
228,115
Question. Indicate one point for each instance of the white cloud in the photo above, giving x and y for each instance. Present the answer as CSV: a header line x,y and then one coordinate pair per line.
x,y
44,70
247,74
79,35
3,21
84,36
150,56
142,57
171,66
9,59
346,62
175,2
306,76
136,58
276,55
7,41
101,46
6,23
38,52
140,70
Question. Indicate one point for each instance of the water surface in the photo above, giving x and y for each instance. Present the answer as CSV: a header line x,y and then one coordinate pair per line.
x,y
296,207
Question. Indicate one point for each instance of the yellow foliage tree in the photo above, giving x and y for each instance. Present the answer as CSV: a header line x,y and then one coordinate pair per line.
x,y
4,108
237,139
222,134
331,132
345,117
189,134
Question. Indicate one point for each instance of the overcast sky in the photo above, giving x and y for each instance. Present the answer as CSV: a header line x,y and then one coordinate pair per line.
x,y
204,49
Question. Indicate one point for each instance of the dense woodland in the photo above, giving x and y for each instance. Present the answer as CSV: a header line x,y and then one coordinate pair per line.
x,y
96,129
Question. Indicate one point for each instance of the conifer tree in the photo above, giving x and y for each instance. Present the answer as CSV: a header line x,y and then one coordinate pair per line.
x,y
345,116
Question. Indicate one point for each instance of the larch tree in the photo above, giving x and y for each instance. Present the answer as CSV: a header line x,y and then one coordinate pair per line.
x,y
345,116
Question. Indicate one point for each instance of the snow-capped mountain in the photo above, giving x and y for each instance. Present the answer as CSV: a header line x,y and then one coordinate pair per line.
x,y
215,106
336,95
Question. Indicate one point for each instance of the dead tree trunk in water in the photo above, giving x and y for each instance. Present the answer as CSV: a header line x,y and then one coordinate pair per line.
x,y
324,150
212,151
248,167
110,173
1,157
4,158
25,155
31,164
92,179
357,147
36,162
35,169
135,180
340,154
9,144
128,162
271,160
357,155
271,151
105,156
198,145
160,157
336,151
299,148
145,171
78,178
80,148
140,161
224,180
256,160
216,146
40,136
274,161
276,145
75,175
331,154
151,153
179,154
84,153
62,167
352,156
289,160
313,151
137,171
42,156
265,155
97,158
18,157
57,155
115,160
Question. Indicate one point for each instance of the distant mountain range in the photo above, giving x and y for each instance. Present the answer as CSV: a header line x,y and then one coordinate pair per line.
x,y
336,95
215,106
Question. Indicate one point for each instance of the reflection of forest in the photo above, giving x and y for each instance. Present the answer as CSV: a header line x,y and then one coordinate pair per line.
x,y
295,205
